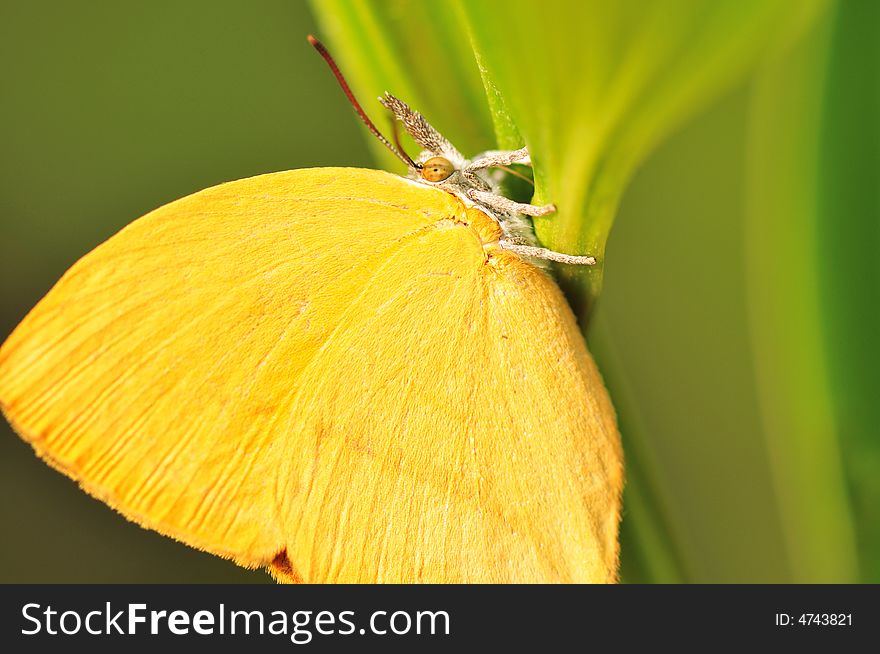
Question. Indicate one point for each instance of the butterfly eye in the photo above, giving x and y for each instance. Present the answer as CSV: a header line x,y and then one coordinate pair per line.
x,y
436,169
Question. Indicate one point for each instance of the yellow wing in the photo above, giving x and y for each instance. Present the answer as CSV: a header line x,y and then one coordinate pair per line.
x,y
326,372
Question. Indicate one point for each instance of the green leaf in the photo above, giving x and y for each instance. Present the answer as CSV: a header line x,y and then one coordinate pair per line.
x,y
846,260
593,86
671,337
784,270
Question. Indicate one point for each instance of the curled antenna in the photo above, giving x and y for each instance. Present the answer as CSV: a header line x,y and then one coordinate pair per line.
x,y
357,105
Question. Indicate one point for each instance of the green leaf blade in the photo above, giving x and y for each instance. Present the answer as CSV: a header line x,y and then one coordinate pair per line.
x,y
784,267
594,86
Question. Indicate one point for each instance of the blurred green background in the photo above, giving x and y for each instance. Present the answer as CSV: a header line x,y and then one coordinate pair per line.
x,y
738,323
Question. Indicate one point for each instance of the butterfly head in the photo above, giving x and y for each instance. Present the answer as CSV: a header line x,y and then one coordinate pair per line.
x,y
437,169
441,165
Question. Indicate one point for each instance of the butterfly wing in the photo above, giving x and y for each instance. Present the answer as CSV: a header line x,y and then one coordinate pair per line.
x,y
459,431
156,370
312,370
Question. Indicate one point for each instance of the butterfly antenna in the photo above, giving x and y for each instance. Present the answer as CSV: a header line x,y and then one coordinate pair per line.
x,y
322,50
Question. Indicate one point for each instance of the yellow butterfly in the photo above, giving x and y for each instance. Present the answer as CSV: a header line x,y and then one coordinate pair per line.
x,y
340,374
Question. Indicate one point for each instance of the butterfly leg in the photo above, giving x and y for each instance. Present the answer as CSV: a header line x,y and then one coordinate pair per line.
x,y
501,158
548,255
506,206
495,158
